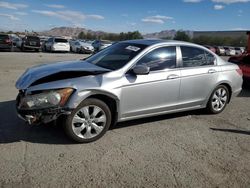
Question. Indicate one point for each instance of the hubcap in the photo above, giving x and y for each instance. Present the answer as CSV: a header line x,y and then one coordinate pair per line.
x,y
219,99
89,121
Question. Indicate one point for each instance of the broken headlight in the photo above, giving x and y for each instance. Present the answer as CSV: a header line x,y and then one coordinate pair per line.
x,y
46,99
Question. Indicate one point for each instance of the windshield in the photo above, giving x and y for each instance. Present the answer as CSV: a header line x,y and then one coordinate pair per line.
x,y
116,56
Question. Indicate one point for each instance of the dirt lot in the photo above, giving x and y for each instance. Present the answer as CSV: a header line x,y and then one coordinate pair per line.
x,y
189,149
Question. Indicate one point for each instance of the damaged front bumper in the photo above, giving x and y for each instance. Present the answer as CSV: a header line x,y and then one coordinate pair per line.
x,y
34,117
39,116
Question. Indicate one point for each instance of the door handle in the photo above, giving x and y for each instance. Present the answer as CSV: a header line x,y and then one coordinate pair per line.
x,y
172,76
211,71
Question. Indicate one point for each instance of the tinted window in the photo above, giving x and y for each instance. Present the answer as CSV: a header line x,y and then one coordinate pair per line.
x,y
116,56
61,40
160,58
193,57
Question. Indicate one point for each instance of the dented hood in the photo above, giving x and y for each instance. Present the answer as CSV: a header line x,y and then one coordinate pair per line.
x,y
69,69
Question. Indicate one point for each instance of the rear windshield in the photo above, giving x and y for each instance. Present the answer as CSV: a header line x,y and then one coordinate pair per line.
x,y
61,40
2,37
33,38
116,56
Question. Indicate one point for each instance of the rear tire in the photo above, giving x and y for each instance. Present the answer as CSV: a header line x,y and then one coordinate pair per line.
x,y
218,100
89,121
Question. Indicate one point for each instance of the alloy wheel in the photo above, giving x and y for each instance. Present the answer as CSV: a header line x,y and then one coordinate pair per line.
x,y
219,99
89,122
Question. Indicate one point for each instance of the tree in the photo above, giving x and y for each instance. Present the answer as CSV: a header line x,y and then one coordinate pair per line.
x,y
81,35
182,36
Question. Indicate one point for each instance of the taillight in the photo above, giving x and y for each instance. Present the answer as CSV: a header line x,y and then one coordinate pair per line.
x,y
239,71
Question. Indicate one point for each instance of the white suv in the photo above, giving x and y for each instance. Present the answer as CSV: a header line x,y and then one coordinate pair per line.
x,y
57,44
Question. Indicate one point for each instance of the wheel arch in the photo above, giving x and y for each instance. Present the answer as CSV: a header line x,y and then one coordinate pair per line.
x,y
111,100
229,87
226,84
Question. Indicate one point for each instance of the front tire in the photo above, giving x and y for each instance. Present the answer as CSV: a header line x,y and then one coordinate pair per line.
x,y
218,100
89,121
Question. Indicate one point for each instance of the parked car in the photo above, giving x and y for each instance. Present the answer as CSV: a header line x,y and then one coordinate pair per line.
x,y
43,42
57,44
220,50
29,43
229,51
243,49
238,51
15,40
243,62
6,42
82,47
101,44
211,48
128,80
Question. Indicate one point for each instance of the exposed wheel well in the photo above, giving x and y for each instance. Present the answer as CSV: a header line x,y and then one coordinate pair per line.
x,y
111,104
229,89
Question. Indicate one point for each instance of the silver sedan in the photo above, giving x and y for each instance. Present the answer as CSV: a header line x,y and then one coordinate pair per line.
x,y
128,80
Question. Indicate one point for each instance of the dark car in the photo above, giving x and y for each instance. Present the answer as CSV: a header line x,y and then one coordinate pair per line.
x,y
31,43
6,42
243,61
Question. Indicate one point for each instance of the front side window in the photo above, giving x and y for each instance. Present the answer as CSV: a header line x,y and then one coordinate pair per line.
x,y
193,57
160,59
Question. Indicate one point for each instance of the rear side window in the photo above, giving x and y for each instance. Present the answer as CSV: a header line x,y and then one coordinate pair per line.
x,y
61,40
193,57
210,58
159,59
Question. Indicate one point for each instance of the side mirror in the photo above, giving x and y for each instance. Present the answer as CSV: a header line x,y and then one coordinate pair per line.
x,y
141,70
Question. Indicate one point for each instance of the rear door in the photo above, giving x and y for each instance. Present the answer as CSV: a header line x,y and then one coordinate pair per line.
x,y
199,75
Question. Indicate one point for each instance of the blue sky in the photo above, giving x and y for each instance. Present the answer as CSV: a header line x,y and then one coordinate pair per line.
x,y
117,15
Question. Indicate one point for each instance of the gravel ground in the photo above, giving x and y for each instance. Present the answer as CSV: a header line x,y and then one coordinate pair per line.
x,y
190,149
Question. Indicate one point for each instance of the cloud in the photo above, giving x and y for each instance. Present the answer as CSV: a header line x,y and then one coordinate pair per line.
x,y
124,15
14,6
158,19
218,7
95,16
21,13
55,6
192,1
9,16
73,17
230,1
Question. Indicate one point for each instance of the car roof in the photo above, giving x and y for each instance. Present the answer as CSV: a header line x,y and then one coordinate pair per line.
x,y
150,42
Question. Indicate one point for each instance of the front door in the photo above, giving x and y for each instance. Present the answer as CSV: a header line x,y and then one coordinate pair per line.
x,y
153,93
